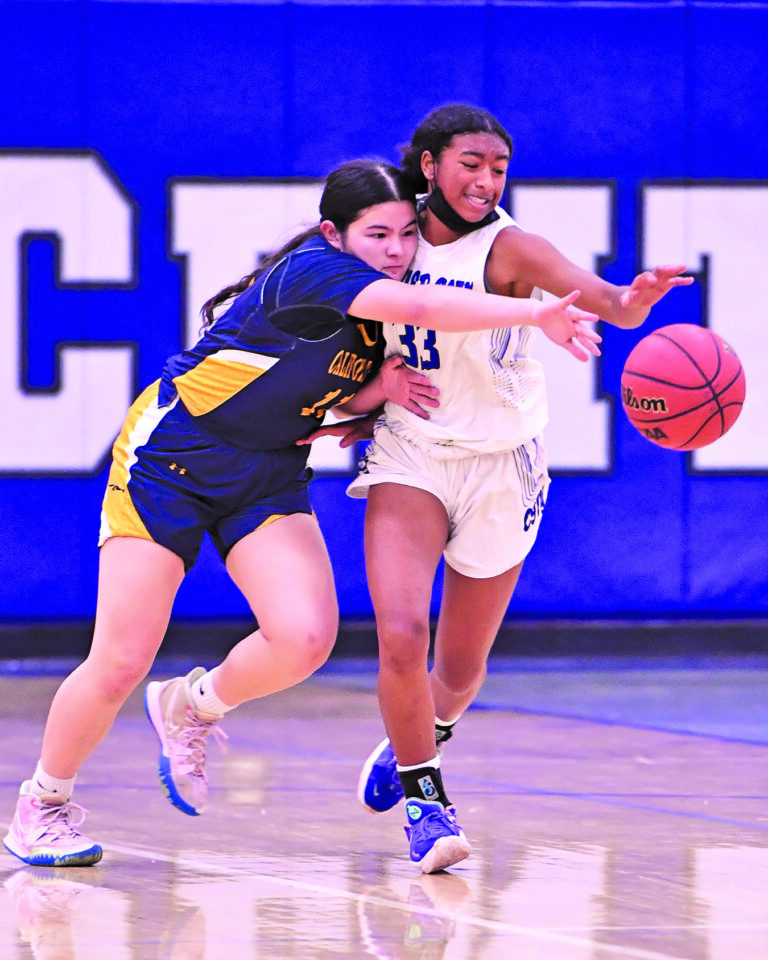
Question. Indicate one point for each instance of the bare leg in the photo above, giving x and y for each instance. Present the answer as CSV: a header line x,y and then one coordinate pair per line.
x,y
138,580
405,533
284,572
471,613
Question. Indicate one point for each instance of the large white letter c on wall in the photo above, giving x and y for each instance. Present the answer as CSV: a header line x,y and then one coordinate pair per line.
x,y
74,197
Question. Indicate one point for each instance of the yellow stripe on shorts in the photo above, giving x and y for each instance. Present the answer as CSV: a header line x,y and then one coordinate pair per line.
x,y
118,514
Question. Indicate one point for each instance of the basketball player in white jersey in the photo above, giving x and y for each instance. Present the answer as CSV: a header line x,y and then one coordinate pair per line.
x,y
470,483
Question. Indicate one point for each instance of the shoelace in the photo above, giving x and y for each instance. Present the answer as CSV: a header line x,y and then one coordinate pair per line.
x,y
190,743
58,821
434,824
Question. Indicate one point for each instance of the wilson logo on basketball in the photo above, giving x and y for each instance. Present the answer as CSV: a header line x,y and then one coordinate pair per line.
x,y
697,385
631,402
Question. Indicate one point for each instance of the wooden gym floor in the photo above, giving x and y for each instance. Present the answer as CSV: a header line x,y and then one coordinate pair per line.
x,y
614,813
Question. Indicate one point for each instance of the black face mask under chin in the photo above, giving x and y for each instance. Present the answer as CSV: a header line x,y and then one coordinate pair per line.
x,y
448,216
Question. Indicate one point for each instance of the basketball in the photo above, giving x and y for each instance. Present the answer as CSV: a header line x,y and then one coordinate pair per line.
x,y
683,387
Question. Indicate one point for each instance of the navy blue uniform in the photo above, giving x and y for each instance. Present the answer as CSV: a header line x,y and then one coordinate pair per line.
x,y
211,445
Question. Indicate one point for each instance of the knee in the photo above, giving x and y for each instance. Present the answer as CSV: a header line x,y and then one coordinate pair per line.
x,y
460,678
403,644
119,674
317,647
308,645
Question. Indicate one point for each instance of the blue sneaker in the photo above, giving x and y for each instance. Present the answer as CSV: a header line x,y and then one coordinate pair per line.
x,y
378,788
437,841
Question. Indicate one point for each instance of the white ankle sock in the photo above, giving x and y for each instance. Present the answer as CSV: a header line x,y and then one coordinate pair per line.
x,y
447,723
444,731
204,697
434,763
45,785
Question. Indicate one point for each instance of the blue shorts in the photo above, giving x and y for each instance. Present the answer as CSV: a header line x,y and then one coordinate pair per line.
x,y
171,483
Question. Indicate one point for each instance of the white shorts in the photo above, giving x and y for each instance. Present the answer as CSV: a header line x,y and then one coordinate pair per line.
x,y
494,501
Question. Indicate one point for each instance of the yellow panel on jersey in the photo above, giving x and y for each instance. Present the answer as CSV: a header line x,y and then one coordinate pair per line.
x,y
218,377
118,514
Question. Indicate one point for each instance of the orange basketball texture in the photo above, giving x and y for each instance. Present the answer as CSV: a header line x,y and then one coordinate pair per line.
x,y
683,386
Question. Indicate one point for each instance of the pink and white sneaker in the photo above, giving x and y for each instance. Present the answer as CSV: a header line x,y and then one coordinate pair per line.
x,y
45,835
182,733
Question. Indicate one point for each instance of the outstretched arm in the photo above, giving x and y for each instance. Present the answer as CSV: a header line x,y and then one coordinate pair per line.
x,y
454,310
518,256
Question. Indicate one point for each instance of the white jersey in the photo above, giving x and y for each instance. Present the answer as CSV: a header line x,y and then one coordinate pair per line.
x,y
492,392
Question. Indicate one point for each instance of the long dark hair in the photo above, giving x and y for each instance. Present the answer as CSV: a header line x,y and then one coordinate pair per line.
x,y
436,131
349,190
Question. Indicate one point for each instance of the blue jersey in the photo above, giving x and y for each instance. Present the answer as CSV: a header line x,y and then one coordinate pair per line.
x,y
210,447
264,374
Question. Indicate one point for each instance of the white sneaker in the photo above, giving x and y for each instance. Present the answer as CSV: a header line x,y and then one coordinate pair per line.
x,y
182,733
44,835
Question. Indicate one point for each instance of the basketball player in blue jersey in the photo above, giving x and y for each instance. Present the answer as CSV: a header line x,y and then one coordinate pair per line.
x,y
470,483
211,448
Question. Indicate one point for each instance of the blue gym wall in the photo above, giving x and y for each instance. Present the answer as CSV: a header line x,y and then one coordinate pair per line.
x,y
623,97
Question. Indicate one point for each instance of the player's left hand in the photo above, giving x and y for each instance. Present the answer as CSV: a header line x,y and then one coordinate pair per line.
x,y
650,286
568,326
408,387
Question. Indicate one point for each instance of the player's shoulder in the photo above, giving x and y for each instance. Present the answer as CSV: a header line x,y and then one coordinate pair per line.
x,y
311,255
320,258
504,228
509,251
509,234
307,271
